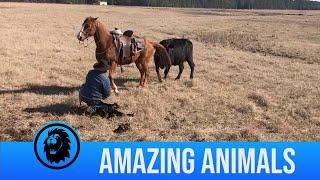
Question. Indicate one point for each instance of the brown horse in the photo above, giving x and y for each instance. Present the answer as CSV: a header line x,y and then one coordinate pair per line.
x,y
106,50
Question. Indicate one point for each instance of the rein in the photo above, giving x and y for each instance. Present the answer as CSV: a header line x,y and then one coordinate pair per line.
x,y
89,43
86,44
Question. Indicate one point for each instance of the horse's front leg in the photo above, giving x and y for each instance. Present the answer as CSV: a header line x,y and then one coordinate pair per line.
x,y
112,75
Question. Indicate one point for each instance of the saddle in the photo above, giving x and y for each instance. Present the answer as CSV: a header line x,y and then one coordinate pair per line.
x,y
127,45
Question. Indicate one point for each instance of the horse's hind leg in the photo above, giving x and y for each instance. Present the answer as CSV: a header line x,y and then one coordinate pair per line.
x,y
142,74
146,74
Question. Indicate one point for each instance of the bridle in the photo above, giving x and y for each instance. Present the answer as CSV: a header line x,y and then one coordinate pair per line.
x,y
86,35
87,38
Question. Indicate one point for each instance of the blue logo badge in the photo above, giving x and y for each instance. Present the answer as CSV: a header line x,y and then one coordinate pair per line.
x,y
57,145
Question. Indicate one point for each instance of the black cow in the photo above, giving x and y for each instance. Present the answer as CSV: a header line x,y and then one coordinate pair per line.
x,y
180,50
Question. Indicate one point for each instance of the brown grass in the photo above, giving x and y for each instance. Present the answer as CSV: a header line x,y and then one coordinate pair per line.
x,y
257,74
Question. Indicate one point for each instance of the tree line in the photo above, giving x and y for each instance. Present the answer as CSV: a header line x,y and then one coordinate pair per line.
x,y
228,4
225,4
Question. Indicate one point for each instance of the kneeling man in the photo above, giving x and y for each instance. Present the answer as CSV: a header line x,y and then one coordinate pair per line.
x,y
96,88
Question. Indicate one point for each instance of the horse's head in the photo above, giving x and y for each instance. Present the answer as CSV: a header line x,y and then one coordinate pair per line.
x,y
89,27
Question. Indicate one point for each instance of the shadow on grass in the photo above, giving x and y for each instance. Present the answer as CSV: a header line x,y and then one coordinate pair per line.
x,y
120,82
61,109
57,109
44,90
63,90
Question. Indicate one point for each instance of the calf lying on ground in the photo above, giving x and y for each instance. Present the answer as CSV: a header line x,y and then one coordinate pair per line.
x,y
180,50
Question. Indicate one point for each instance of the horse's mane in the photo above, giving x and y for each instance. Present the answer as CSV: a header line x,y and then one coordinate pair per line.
x,y
103,31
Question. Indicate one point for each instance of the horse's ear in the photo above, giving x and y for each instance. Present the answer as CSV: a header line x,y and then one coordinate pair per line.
x,y
95,18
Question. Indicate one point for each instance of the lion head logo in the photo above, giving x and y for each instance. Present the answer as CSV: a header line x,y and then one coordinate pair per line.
x,y
57,145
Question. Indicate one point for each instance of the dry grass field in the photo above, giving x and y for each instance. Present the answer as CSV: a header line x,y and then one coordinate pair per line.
x,y
257,74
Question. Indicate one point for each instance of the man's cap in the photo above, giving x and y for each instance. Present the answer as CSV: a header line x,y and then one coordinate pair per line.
x,y
102,65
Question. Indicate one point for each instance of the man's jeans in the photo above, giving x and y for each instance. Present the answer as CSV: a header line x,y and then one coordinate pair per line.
x,y
95,104
98,107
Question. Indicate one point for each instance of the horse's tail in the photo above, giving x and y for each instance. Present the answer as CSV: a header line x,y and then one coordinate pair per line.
x,y
163,54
